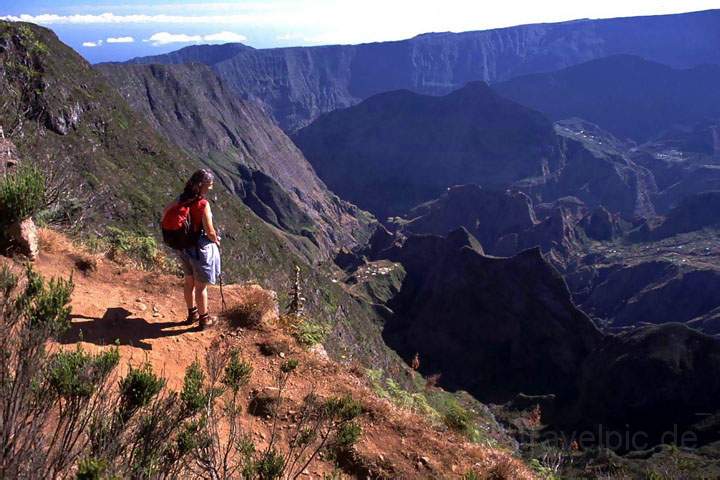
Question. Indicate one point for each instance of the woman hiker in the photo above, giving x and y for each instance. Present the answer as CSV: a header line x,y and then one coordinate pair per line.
x,y
200,262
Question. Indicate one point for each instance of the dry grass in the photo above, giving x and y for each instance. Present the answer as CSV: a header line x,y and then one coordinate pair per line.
x,y
51,241
249,313
500,466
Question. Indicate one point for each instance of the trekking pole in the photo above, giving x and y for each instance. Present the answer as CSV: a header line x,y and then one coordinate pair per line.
x,y
222,295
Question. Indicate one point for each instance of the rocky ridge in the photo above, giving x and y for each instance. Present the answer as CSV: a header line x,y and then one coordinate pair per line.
x,y
298,84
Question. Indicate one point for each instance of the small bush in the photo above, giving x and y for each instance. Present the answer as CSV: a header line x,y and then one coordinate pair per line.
x,y
270,466
139,248
237,372
342,408
22,194
193,395
91,469
249,313
348,435
391,390
457,418
78,374
309,333
139,387
47,304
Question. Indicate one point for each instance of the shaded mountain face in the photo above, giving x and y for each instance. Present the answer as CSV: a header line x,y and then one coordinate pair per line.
x,y
661,381
253,158
398,149
487,215
492,326
626,95
299,84
599,170
498,327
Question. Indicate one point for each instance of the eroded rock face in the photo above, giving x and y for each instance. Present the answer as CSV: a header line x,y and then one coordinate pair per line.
x,y
23,238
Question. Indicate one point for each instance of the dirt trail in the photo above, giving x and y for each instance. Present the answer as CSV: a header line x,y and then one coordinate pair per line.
x,y
145,312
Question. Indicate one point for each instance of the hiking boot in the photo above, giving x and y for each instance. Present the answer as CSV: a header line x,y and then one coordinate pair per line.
x,y
206,320
193,315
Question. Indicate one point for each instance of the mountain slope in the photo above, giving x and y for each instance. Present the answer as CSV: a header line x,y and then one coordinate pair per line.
x,y
144,312
398,149
255,160
63,115
626,95
298,84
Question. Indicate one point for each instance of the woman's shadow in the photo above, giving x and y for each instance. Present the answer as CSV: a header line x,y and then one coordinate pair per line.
x,y
117,326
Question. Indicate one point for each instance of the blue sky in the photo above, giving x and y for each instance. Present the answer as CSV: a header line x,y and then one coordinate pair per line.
x,y
111,30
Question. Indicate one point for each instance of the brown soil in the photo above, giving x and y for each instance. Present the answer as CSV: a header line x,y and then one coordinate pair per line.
x,y
145,312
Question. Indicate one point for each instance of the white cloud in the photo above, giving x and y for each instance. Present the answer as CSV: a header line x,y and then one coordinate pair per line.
x,y
165,38
92,44
120,40
111,18
290,36
333,21
226,37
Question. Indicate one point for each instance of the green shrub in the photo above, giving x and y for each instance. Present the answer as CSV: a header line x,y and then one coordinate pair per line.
x,y
139,387
342,408
91,469
457,418
22,194
141,248
46,304
310,333
348,435
78,374
391,390
270,466
237,372
194,395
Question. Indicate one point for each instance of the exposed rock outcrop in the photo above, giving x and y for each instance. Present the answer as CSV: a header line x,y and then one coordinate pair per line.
x,y
23,238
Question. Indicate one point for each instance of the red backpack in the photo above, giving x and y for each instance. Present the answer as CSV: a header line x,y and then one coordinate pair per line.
x,y
177,227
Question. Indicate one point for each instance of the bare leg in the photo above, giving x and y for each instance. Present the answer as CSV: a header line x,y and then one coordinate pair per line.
x,y
201,297
189,291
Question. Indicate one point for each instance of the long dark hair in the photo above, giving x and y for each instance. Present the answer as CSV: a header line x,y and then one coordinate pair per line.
x,y
194,185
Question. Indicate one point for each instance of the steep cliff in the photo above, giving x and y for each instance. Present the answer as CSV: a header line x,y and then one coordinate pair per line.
x,y
255,160
298,84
